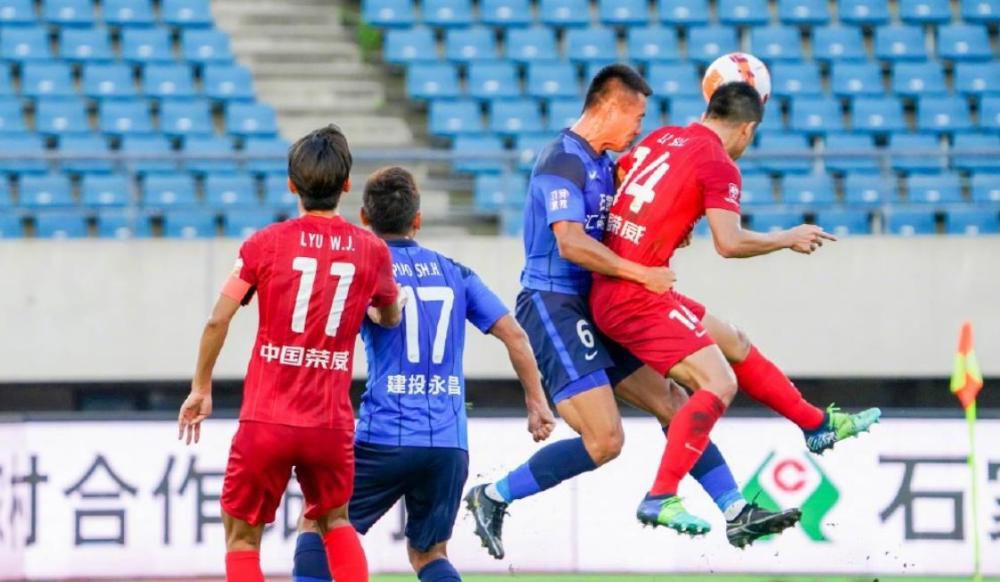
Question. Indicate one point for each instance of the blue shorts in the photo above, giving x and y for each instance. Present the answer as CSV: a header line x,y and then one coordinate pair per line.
x,y
572,355
428,479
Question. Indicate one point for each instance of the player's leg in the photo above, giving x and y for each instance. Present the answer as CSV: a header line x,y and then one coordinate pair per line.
x,y
433,565
242,549
432,503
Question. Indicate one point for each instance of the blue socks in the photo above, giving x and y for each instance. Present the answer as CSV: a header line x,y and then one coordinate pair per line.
x,y
716,479
439,571
310,559
550,466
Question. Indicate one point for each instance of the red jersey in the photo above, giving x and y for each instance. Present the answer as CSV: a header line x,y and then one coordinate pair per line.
x,y
315,278
672,177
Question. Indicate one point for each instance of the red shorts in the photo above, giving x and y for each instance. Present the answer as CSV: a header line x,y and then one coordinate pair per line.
x,y
261,460
660,330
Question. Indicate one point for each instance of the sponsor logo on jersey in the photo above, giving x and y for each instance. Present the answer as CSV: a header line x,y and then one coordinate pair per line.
x,y
734,194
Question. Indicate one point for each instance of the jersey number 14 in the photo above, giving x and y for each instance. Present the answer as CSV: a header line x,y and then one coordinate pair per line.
x,y
642,187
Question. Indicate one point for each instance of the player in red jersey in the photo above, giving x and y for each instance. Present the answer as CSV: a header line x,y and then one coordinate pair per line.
x,y
668,182
315,277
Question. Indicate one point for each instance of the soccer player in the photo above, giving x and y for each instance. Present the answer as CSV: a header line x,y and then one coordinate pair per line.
x,y
671,179
570,192
412,436
315,276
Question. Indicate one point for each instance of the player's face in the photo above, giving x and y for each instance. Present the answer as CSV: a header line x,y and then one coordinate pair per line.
x,y
625,120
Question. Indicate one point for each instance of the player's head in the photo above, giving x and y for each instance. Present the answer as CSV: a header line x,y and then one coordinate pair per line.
x,y
319,168
391,203
616,103
734,111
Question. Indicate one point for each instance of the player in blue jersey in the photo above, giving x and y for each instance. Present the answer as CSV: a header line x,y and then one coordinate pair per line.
x,y
411,439
570,192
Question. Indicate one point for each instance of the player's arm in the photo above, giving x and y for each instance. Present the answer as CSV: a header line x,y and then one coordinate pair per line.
x,y
576,246
387,300
541,422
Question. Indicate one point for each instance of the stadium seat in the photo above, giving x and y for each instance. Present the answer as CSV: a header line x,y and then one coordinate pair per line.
x,y
808,189
706,43
463,45
552,79
683,13
146,45
776,43
124,117
563,113
17,13
505,13
205,46
10,224
24,44
105,190
147,147
921,12
227,83
935,189
84,45
241,223
866,12
122,224
968,145
274,147
68,12
803,12
564,13
528,146
585,45
47,79
742,12
838,44
842,153
903,160
918,79
168,81
514,116
21,144
986,188
6,199
432,81
76,148
277,195
6,83
245,119
910,221
989,113
877,115
209,153
943,114
674,80
816,115
856,79
409,45
980,11
453,117
184,117
230,191
623,12
108,80
524,45
45,191
899,42
652,45
785,153
685,110
489,80
756,190
972,221
772,219
963,42
61,116
126,13
869,189
843,222
60,224
487,150
160,192
388,13
977,79
447,13
495,191
188,224
185,13
795,79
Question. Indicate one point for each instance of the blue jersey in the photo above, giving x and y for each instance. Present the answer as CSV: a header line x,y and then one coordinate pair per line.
x,y
415,395
571,182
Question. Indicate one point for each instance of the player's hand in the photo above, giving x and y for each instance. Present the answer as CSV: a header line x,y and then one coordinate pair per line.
x,y
659,280
541,421
376,316
807,238
196,408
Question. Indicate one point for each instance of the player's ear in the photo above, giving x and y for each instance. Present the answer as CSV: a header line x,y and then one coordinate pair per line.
x,y
347,185
291,187
364,217
418,221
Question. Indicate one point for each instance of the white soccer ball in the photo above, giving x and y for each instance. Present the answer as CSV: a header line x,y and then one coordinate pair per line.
x,y
736,67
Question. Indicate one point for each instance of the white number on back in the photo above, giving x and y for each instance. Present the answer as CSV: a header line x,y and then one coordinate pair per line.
x,y
642,186
307,266
446,295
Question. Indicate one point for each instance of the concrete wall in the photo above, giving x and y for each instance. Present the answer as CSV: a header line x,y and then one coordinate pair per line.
x,y
109,310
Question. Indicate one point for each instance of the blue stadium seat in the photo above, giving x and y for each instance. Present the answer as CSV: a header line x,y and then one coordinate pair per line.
x,y
454,117
504,13
809,189
68,12
274,147
867,12
877,114
847,145
122,224
756,190
803,12
83,45
409,45
623,12
11,116
105,191
21,144
488,150
168,81
838,44
431,81
989,113
776,43
967,145
707,43
463,45
564,13
6,83
943,114
60,224
742,12
783,149
488,80
242,223
207,153
146,45
230,191
595,44
772,219
205,46
964,42
24,44
977,79
124,117
245,119
856,79
10,224
164,191
495,191
188,224
685,110
148,146
935,189
184,117
924,11
986,188
277,195
900,42
980,11
674,80
125,13
972,221
910,221
772,121
844,222
108,80
917,79
227,83
447,13
6,199
61,116
47,79
903,160
869,189
530,44
388,13
816,115
683,13
77,147
45,191
514,116
795,79
186,13
652,44
528,146
563,113
552,79
17,13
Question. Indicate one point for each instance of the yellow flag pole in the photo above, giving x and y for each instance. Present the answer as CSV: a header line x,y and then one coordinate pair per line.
x,y
970,417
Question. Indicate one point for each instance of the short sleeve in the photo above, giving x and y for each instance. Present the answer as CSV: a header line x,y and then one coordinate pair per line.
x,y
483,307
721,185
385,285
560,181
247,266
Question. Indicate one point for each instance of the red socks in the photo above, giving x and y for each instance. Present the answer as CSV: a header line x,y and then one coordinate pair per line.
x,y
765,383
687,438
345,555
243,566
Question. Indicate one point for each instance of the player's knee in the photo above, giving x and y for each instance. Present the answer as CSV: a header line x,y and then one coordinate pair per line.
x,y
419,559
606,447
240,535
742,344
725,387
336,517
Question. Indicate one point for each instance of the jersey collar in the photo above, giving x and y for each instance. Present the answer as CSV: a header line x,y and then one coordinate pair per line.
x,y
583,143
703,130
401,242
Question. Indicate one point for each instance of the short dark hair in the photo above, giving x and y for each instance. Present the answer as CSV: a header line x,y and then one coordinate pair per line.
x,y
319,165
391,200
735,102
612,77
